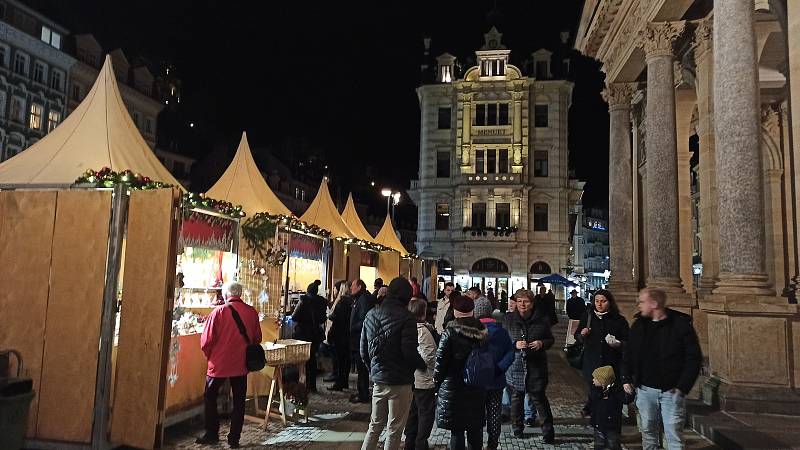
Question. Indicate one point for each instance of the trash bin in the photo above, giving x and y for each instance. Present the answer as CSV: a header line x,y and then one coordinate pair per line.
x,y
16,394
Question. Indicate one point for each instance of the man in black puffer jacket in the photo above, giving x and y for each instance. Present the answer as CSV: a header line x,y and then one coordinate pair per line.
x,y
389,349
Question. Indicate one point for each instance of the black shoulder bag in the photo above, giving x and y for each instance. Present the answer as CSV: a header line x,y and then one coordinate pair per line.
x,y
575,351
254,357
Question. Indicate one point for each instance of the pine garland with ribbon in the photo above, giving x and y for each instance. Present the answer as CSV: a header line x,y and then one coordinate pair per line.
x,y
107,178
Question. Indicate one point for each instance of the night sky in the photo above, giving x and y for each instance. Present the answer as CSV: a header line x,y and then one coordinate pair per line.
x,y
341,74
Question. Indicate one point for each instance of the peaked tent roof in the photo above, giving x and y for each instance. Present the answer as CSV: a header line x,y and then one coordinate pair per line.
x,y
243,184
353,222
323,213
388,238
99,133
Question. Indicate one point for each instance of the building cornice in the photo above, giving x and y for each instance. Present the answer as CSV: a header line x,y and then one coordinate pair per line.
x,y
35,47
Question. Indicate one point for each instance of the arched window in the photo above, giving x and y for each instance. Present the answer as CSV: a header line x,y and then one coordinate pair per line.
x,y
492,265
541,267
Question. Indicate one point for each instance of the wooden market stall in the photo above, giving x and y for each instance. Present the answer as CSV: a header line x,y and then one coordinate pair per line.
x,y
97,262
389,261
362,252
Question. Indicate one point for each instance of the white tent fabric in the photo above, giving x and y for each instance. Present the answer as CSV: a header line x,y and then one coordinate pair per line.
x,y
323,213
243,184
99,133
353,222
388,238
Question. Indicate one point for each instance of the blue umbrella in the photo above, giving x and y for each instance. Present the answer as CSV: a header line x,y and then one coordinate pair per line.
x,y
556,279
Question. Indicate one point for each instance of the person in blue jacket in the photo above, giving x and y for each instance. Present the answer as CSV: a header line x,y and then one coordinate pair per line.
x,y
501,346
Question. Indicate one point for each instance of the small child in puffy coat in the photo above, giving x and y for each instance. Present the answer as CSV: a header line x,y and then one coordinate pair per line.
x,y
605,402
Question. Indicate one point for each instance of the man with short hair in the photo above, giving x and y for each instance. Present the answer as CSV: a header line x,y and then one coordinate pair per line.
x,y
224,346
662,360
377,285
444,312
363,302
576,306
389,347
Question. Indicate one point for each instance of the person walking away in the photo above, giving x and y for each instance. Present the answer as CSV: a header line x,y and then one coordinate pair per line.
x,y
576,306
460,408
444,312
224,347
363,302
389,348
603,332
416,289
339,336
530,331
309,317
423,404
545,302
662,360
604,405
501,347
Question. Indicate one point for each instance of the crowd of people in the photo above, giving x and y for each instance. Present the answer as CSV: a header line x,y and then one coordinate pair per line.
x,y
467,365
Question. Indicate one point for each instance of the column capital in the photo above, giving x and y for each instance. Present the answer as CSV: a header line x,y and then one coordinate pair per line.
x,y
517,96
656,38
618,95
703,39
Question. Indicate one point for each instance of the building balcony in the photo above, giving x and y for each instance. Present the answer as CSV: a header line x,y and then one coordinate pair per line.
x,y
492,130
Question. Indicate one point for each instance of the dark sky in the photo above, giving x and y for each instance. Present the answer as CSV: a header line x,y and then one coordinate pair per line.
x,y
342,74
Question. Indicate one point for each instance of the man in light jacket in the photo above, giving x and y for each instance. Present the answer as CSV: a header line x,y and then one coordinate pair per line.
x,y
224,346
423,405
444,312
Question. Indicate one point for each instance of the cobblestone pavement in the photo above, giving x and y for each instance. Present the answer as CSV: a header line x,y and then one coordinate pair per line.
x,y
336,423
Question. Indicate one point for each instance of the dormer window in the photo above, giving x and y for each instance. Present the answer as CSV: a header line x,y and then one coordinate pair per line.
x,y
493,68
446,64
541,64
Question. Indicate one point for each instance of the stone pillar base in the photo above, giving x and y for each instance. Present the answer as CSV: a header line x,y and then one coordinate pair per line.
x,y
668,285
706,287
744,283
753,351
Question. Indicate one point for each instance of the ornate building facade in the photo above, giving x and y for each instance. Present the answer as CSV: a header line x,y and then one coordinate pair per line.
x,y
674,74
494,194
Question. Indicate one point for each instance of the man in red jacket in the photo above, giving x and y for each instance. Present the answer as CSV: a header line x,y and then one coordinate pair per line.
x,y
224,346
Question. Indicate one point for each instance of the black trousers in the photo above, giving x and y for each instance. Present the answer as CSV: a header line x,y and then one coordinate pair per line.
x,y
363,378
420,419
542,407
494,401
311,368
239,388
606,439
474,439
342,366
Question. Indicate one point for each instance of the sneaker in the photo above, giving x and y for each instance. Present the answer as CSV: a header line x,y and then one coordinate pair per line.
x,y
207,440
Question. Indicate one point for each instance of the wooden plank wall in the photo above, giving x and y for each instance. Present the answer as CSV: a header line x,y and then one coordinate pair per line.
x,y
26,236
388,266
144,326
74,311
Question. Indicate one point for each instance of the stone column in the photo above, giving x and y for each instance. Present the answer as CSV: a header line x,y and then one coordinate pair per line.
x,y
737,127
620,197
662,170
709,216
466,132
793,169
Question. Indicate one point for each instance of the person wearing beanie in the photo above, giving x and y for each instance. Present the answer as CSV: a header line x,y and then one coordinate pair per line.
x,y
501,347
309,316
389,349
604,405
460,408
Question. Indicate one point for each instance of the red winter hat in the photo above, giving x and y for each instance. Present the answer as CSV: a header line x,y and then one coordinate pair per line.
x,y
463,304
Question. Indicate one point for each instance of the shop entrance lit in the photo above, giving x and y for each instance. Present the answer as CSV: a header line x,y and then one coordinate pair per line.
x,y
491,276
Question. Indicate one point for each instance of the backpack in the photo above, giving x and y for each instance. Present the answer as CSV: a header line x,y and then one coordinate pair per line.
x,y
479,370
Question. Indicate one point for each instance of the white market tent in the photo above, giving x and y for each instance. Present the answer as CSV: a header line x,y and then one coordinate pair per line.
x,y
99,133
323,213
243,184
388,237
353,222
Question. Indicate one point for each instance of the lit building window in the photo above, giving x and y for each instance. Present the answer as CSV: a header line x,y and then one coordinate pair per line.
x,y
35,120
442,216
53,119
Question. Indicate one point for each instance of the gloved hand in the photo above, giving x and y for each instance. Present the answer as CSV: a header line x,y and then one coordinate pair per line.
x,y
612,341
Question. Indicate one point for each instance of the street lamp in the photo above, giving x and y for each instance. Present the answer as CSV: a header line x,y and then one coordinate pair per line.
x,y
396,197
388,194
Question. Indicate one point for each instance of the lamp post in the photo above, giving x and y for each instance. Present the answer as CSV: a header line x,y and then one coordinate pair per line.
x,y
388,194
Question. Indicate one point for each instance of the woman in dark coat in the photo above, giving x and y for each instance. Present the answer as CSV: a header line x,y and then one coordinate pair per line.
x,y
339,335
460,408
604,336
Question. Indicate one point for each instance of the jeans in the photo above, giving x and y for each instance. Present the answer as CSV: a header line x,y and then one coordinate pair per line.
x,y
420,419
606,439
363,378
666,407
239,388
530,411
474,439
542,406
494,399
390,405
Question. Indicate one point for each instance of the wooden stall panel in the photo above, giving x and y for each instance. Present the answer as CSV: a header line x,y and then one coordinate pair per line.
x,y
26,237
77,278
388,266
144,324
188,389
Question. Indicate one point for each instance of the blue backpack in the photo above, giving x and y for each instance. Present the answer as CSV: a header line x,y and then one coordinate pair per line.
x,y
479,370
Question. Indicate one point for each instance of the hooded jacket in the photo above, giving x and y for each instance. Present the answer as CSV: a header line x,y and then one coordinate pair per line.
x,y
389,339
502,349
459,406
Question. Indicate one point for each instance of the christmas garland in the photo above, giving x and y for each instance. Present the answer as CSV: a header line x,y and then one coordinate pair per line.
x,y
259,229
107,178
190,200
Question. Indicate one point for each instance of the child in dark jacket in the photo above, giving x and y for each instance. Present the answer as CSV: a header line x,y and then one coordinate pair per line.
x,y
605,402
